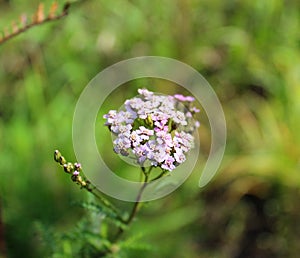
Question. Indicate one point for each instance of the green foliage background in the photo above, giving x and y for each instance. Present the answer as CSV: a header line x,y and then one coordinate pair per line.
x,y
249,51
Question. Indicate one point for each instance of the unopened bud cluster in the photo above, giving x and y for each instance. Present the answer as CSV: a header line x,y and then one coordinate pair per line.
x,y
156,129
72,168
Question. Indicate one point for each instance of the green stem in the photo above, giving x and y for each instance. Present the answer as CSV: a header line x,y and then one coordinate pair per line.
x,y
159,176
137,203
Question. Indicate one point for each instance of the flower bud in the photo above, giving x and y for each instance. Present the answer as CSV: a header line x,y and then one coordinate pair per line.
x,y
69,167
74,178
75,173
57,156
62,160
77,166
149,121
80,181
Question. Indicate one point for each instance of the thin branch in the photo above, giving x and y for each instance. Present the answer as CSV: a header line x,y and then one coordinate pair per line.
x,y
38,18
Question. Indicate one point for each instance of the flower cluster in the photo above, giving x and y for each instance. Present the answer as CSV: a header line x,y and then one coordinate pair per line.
x,y
156,129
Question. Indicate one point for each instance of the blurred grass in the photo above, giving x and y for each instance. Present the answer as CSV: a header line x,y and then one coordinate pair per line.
x,y
248,50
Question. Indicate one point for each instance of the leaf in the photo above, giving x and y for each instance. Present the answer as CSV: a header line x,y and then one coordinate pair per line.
x,y
108,213
135,243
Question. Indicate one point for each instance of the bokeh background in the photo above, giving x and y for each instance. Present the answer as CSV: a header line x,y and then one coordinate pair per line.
x,y
249,51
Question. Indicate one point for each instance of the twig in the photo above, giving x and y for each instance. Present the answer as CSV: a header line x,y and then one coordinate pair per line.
x,y
38,18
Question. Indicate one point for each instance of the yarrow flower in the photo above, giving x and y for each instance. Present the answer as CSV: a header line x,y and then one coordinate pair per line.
x,y
157,130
